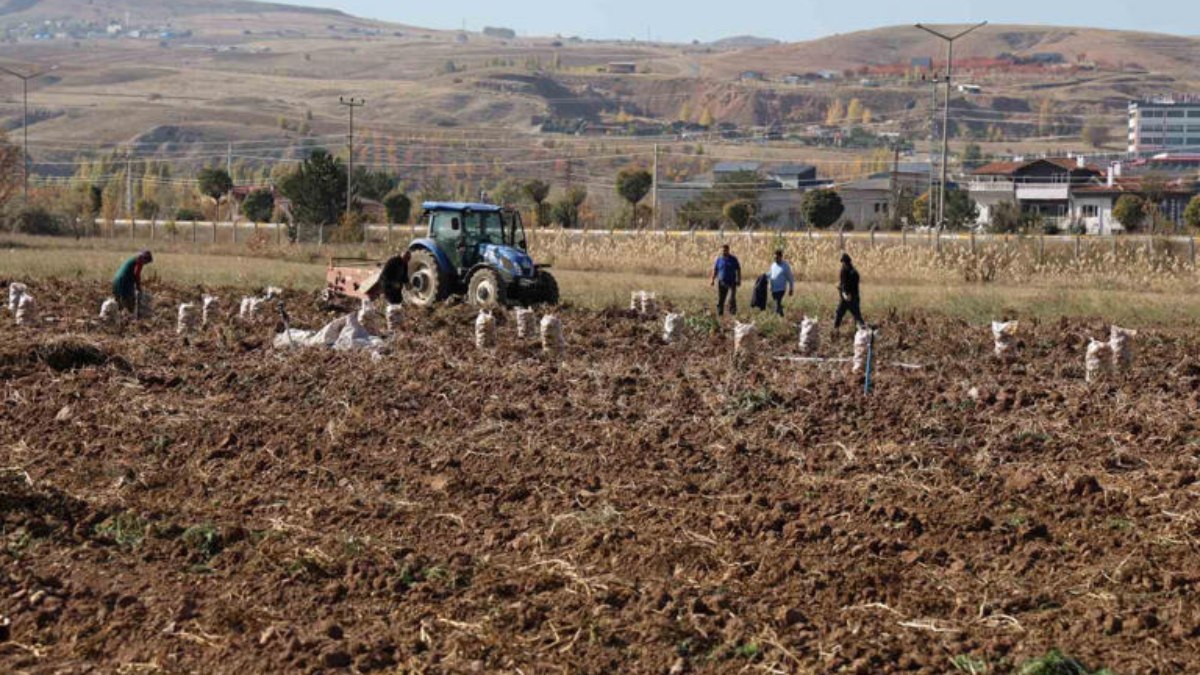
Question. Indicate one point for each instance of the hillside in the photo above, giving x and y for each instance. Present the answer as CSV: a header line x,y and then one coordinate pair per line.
x,y
1157,53
182,74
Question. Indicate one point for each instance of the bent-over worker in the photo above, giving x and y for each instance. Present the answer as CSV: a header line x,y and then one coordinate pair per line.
x,y
127,284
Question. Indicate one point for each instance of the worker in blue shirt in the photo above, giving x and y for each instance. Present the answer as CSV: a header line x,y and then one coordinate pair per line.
x,y
782,281
726,276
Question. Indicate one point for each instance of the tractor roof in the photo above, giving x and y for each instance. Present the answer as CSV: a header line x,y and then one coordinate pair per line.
x,y
460,206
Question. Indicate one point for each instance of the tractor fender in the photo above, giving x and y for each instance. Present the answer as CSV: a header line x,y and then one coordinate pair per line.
x,y
504,276
439,255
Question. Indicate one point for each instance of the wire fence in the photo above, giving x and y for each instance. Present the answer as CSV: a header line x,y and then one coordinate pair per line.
x,y
1046,247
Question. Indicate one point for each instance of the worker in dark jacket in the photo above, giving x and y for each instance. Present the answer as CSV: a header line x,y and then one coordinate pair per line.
x,y
726,276
848,290
127,284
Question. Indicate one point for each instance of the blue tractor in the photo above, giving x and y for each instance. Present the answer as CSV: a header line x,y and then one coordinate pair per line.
x,y
477,250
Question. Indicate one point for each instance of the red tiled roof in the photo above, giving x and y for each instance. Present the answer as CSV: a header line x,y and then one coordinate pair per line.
x,y
1009,168
998,168
1133,185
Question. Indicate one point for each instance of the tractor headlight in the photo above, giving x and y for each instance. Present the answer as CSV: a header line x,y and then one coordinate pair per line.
x,y
509,266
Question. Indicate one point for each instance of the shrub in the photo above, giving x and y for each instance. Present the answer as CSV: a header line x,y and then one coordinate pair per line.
x,y
188,214
37,220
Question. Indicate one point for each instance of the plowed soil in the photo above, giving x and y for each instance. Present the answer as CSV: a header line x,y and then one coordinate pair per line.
x,y
216,506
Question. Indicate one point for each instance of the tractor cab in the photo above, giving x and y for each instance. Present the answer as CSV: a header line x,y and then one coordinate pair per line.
x,y
480,250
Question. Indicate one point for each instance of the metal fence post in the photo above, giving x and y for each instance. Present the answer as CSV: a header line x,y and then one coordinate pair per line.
x,y
972,242
1042,248
1192,250
193,232
1078,242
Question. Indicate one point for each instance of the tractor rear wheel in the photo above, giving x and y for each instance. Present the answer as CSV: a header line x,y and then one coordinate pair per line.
x,y
486,290
547,289
426,282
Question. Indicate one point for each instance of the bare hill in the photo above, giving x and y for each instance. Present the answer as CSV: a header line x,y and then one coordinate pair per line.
x,y
899,44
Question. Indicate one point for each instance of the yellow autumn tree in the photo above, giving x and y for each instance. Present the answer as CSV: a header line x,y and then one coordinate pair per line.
x,y
685,112
836,112
854,111
623,117
706,118
867,116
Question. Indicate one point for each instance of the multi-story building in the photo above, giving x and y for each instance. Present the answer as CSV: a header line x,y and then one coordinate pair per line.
x,y
1164,124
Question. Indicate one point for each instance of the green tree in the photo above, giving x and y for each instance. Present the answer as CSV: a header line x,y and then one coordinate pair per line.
x,y
259,206
566,210
972,156
1191,215
373,185
10,169
633,185
1096,133
317,190
146,209
399,207
1130,212
821,208
1006,218
95,199
961,210
215,183
740,212
537,191
1154,191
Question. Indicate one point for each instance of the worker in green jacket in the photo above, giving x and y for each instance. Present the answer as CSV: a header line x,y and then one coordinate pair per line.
x,y
128,282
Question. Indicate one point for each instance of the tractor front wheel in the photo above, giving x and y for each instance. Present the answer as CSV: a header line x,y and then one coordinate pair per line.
x,y
486,290
426,282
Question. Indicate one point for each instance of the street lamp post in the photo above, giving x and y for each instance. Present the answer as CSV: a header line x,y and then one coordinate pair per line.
x,y
950,39
352,103
25,124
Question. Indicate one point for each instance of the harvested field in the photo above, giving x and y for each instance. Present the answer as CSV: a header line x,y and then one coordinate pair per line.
x,y
216,506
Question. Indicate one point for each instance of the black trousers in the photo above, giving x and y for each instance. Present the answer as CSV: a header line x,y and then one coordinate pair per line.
x,y
778,297
726,293
852,306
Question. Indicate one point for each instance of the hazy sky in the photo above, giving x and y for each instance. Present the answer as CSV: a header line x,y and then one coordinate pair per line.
x,y
783,19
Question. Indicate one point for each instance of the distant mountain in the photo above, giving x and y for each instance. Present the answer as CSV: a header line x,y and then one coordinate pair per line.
x,y
744,42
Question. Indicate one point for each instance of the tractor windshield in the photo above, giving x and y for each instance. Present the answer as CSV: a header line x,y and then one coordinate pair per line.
x,y
485,227
516,230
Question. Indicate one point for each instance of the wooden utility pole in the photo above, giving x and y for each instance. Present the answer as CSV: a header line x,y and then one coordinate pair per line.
x,y
352,103
654,200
